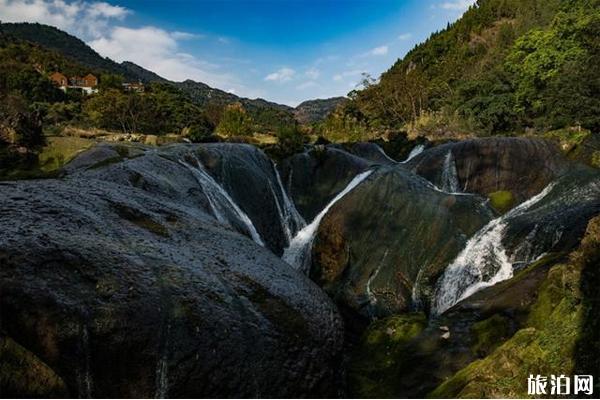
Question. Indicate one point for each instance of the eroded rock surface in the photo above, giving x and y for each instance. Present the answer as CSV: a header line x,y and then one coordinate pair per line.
x,y
117,281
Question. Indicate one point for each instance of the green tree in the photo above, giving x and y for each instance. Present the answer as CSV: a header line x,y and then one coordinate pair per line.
x,y
235,121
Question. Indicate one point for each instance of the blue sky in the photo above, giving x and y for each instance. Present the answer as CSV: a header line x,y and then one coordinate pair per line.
x,y
283,51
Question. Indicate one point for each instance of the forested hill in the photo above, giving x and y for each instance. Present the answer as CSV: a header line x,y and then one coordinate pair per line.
x,y
506,66
54,39
311,111
75,49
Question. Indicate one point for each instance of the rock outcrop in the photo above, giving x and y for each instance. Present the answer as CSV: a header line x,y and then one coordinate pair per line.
x,y
521,166
381,248
315,177
118,281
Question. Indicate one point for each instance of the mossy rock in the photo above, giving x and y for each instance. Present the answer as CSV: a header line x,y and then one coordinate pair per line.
x,y
374,362
595,161
22,374
559,337
489,334
502,200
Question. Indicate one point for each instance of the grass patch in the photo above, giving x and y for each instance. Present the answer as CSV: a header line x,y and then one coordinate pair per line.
x,y
60,150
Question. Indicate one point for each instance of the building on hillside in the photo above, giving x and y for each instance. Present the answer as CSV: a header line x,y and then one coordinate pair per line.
x,y
86,84
59,79
134,87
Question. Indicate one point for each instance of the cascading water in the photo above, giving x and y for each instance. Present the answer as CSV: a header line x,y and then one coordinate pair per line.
x,y
291,220
297,254
450,175
222,205
482,263
418,149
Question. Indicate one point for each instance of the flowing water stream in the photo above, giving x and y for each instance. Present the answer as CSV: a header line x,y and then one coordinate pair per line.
x,y
298,252
450,175
418,149
291,220
482,263
225,210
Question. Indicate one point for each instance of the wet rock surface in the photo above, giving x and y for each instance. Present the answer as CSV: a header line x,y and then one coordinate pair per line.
x,y
523,166
381,248
117,282
313,178
156,271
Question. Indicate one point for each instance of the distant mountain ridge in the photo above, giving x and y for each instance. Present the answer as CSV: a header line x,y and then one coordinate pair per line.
x,y
74,48
311,111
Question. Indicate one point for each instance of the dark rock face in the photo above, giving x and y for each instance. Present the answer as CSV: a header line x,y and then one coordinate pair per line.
x,y
380,249
371,152
397,242
523,166
244,171
315,177
116,282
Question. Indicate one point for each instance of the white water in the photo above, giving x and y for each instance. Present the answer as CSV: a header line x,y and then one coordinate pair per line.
x,y
385,155
221,204
291,220
450,175
297,254
370,294
482,263
418,149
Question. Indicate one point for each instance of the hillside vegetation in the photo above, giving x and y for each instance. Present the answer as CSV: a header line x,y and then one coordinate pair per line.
x,y
505,67
33,108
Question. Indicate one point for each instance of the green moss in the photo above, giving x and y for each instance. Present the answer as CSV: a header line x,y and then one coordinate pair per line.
x,y
502,200
546,345
60,150
489,334
568,138
395,330
373,364
22,374
595,161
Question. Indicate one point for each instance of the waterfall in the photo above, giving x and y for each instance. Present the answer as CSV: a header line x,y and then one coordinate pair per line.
x,y
291,220
221,204
450,175
418,149
384,154
297,254
482,263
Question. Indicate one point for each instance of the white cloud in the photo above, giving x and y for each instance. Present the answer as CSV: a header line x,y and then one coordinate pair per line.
x,y
185,35
306,85
81,18
150,47
404,36
312,73
281,75
347,74
379,51
457,5
223,40
156,49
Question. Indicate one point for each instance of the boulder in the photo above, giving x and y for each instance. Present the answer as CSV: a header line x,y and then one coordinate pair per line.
x,y
521,166
116,282
380,249
315,177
